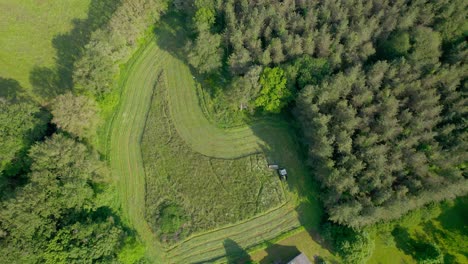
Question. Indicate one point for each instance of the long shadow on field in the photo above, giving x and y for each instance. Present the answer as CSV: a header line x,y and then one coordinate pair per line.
x,y
283,148
50,82
235,253
279,254
11,90
419,248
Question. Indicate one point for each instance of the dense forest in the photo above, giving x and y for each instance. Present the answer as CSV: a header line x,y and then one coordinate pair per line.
x,y
378,87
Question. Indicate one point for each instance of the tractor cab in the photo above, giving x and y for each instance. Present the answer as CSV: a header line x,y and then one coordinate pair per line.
x,y
283,174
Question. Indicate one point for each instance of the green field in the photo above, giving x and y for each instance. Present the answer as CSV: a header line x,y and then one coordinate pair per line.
x,y
444,225
271,136
188,192
28,30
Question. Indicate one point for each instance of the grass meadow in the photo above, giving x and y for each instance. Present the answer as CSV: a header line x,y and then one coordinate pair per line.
x,y
193,167
27,31
188,192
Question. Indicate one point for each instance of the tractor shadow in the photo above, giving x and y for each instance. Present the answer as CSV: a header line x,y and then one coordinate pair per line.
x,y
49,82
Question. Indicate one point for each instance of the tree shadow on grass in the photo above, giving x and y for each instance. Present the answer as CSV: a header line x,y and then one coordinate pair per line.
x,y
403,240
282,147
235,254
172,34
50,82
454,217
279,253
420,248
11,90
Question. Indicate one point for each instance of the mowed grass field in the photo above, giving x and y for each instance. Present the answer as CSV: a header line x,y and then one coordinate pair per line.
x,y
27,30
187,192
140,81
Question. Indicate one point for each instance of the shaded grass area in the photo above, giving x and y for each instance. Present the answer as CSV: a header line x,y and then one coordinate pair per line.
x,y
28,27
413,236
210,192
41,40
286,249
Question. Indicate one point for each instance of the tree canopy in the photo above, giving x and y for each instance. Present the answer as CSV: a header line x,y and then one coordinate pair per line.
x,y
380,92
21,123
376,140
77,115
53,218
274,94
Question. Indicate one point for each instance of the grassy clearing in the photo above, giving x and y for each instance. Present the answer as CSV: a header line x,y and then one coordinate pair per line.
x,y
28,28
444,225
191,147
187,192
127,166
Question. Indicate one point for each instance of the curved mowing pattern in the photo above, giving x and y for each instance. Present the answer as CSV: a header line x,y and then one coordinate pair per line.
x,y
127,165
127,128
194,127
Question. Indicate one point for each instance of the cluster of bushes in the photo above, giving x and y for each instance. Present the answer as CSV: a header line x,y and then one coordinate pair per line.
x,y
54,216
51,181
353,246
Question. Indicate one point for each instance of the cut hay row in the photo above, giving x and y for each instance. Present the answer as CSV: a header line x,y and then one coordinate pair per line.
x,y
205,138
210,245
